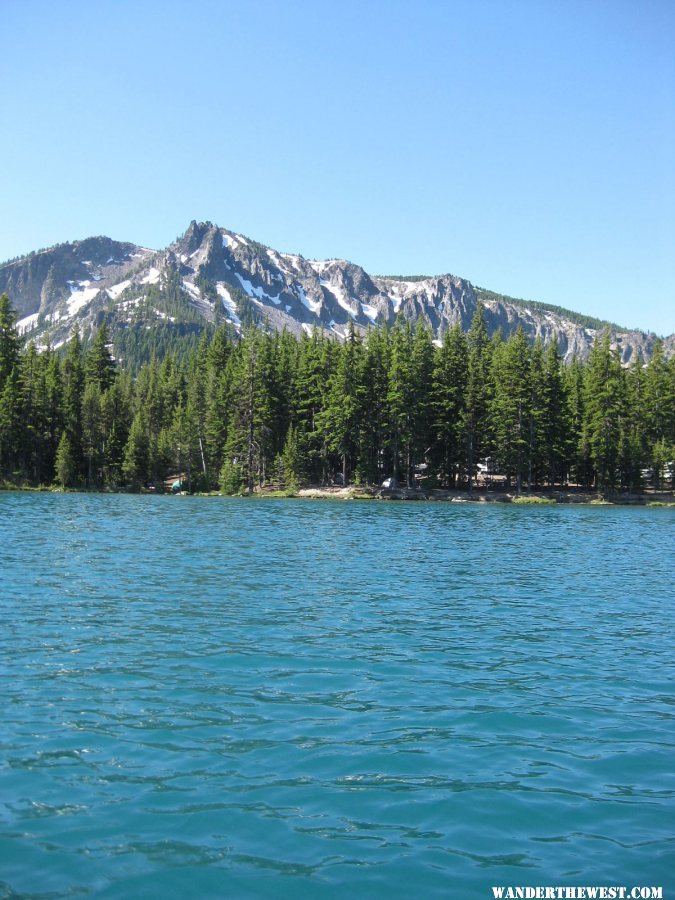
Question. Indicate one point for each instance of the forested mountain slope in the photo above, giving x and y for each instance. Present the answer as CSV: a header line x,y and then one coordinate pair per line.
x,y
266,407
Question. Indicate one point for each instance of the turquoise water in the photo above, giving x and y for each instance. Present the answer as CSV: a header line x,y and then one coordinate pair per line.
x,y
222,698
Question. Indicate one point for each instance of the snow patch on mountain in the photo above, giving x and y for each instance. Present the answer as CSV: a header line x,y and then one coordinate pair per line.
x,y
229,240
228,303
117,289
81,295
338,292
27,323
369,311
276,258
257,292
314,306
152,277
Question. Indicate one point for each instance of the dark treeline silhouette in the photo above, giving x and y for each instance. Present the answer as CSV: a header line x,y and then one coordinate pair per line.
x,y
269,408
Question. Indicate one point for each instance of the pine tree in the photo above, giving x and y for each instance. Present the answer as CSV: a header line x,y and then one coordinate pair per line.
x,y
309,400
136,452
270,405
285,376
243,448
292,462
73,392
633,435
10,398
659,413
339,420
449,406
216,417
115,420
231,478
196,415
10,343
604,397
422,415
100,366
66,466
537,416
477,392
32,390
216,396
53,405
555,423
372,407
400,400
11,423
92,433
511,407
576,448
150,395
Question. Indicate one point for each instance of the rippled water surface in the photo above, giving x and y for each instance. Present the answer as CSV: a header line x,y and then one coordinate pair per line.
x,y
219,698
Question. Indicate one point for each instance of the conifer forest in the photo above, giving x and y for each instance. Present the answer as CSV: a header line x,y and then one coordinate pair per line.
x,y
245,411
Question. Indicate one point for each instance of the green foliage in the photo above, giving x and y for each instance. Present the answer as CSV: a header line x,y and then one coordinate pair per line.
x,y
479,390
292,461
511,408
231,478
66,466
100,367
240,413
604,407
449,407
9,340
339,420
136,345
136,466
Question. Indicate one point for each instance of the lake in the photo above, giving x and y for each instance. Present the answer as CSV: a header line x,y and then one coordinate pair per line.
x,y
209,697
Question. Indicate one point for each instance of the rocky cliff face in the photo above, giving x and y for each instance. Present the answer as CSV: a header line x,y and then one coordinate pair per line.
x,y
210,274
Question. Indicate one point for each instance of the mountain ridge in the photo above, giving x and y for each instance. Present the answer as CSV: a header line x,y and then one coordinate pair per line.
x,y
210,274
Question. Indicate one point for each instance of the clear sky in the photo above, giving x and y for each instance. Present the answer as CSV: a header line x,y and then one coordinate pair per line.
x,y
528,146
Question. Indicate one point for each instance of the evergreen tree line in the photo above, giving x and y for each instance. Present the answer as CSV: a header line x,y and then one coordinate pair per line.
x,y
272,408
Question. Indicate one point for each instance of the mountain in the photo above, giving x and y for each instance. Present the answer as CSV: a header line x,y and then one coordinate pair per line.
x,y
211,275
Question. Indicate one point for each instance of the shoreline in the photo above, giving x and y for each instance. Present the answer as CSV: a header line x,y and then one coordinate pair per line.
x,y
529,498
366,493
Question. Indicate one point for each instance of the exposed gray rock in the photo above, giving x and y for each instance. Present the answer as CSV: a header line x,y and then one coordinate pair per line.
x,y
211,272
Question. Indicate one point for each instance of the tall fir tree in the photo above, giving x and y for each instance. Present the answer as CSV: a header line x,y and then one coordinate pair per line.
x,y
10,344
477,392
100,365
372,407
339,420
449,407
556,425
511,407
604,400
400,400
72,372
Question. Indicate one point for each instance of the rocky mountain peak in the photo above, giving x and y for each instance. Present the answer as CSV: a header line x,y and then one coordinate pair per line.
x,y
211,274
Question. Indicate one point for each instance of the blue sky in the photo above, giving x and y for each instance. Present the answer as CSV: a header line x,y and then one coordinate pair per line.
x,y
527,146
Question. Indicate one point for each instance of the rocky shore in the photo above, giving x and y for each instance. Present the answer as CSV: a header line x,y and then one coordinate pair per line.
x,y
482,496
